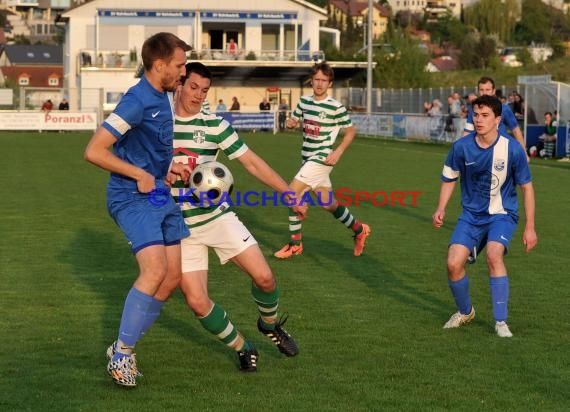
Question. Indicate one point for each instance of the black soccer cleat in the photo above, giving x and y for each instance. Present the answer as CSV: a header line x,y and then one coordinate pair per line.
x,y
248,360
280,337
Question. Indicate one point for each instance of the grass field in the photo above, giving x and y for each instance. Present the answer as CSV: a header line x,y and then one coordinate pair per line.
x,y
369,328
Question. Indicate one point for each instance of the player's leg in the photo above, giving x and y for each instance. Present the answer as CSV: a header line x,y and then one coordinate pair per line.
x,y
295,244
463,240
361,231
122,363
154,234
266,293
194,285
500,234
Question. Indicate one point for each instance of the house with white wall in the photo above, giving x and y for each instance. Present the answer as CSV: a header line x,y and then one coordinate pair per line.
x,y
277,44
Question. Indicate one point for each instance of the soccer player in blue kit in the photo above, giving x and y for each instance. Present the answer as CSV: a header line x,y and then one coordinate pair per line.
x,y
486,87
140,131
490,165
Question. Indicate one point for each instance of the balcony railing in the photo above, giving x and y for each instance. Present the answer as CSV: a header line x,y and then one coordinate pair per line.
x,y
125,59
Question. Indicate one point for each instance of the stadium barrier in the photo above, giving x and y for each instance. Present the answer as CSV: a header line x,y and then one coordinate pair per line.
x,y
254,121
433,128
53,120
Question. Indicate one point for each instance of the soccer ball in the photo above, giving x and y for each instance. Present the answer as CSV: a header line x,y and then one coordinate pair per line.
x,y
211,181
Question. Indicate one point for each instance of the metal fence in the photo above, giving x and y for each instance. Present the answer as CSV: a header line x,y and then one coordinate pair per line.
x,y
539,98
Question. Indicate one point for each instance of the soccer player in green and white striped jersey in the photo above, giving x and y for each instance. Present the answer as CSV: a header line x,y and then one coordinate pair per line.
x,y
198,137
322,120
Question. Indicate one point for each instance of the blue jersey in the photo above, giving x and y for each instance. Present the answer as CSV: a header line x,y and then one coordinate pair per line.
x,y
142,122
508,121
488,176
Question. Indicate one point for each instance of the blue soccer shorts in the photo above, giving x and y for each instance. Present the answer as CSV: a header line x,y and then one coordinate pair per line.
x,y
475,236
146,223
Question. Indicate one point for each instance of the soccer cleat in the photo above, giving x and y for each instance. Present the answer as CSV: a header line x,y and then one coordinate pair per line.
x,y
502,330
121,370
289,250
457,319
248,360
111,350
360,239
280,337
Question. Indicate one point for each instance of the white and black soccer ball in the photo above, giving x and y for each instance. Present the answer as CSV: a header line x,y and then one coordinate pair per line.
x,y
211,181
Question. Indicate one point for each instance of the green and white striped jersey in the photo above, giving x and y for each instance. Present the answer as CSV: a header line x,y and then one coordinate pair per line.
x,y
321,122
198,139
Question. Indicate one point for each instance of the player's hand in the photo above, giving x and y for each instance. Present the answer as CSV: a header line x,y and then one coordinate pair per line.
x,y
145,182
291,123
333,158
180,170
530,239
438,218
300,211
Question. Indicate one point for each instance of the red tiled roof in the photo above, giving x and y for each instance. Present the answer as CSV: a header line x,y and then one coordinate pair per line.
x,y
354,8
444,64
39,76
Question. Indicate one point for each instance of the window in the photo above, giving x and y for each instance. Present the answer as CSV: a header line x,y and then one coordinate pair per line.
x,y
53,81
24,81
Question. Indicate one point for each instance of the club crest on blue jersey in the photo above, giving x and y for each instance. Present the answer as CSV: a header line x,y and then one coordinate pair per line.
x,y
499,165
199,136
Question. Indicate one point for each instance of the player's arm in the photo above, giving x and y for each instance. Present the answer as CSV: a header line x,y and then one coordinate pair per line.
x,y
444,195
530,239
98,153
258,168
348,137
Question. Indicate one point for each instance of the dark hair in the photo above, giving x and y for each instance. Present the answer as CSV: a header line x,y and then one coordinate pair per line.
x,y
492,102
199,69
161,46
486,79
325,68
548,113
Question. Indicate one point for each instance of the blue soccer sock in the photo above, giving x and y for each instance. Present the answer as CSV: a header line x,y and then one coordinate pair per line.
x,y
500,297
135,311
152,314
460,292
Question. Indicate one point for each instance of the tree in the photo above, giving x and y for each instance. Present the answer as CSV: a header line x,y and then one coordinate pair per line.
x,y
535,23
494,17
403,66
477,52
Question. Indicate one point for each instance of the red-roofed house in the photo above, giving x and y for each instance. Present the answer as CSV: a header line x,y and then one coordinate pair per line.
x,y
442,64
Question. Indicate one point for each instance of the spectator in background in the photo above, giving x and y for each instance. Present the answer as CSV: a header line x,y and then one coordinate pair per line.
x,y
64,105
47,106
283,109
221,107
435,108
518,106
235,105
264,105
548,138
232,48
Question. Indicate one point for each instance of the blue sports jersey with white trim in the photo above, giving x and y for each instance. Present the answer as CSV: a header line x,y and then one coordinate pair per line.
x,y
142,122
489,176
508,121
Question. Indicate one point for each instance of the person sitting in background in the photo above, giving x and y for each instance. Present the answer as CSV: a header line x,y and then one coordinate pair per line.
x,y
235,104
47,106
435,109
264,105
548,139
221,107
64,105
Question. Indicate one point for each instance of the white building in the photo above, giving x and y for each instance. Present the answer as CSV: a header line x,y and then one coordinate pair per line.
x,y
427,6
277,44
